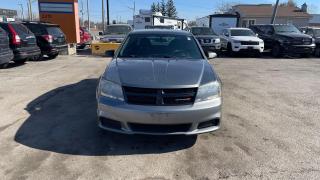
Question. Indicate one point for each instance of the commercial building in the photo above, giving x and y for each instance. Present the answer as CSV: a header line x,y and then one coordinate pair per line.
x,y
7,15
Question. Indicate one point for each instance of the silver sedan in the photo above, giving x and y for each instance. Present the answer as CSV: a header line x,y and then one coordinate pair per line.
x,y
160,83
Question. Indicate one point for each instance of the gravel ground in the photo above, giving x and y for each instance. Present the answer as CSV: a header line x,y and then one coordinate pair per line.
x,y
270,126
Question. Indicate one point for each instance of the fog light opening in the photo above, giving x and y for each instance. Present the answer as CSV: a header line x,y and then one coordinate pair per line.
x,y
108,123
207,124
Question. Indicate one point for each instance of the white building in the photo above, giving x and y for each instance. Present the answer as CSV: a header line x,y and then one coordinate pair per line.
x,y
148,18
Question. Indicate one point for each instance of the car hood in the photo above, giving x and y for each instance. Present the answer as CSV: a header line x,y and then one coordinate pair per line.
x,y
207,36
245,38
293,35
163,73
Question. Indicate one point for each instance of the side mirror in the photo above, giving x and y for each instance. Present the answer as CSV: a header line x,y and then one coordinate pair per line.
x,y
226,34
304,32
257,35
100,34
212,55
109,53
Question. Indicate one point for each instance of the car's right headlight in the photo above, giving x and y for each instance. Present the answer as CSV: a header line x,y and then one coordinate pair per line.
x,y
111,90
209,91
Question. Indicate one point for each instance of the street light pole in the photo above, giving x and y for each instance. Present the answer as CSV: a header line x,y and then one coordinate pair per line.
x,y
275,9
30,10
88,15
103,16
108,14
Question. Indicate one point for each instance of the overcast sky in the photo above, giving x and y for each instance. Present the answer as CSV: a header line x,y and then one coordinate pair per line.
x,y
188,9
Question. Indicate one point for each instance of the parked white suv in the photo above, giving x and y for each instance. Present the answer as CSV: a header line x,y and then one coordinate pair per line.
x,y
241,39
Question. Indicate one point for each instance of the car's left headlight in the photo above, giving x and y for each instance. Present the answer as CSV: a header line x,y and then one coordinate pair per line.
x,y
236,42
217,40
209,91
111,90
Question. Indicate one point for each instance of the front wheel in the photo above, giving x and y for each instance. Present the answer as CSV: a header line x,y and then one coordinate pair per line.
x,y
317,52
229,50
305,55
20,61
3,66
53,56
276,51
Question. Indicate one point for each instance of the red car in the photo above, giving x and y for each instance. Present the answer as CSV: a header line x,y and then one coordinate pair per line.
x,y
85,38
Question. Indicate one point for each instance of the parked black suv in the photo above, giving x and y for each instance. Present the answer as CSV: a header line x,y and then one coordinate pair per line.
x,y
5,52
284,39
22,42
315,33
50,38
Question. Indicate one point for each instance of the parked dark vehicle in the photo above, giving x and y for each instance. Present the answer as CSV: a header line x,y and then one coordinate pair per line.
x,y
22,42
207,38
5,52
315,33
50,38
284,39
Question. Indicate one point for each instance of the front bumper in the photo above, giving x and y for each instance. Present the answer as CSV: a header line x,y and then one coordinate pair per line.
x,y
298,49
129,115
239,47
212,47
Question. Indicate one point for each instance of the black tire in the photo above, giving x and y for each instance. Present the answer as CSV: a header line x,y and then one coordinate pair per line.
x,y
229,50
20,61
53,56
317,52
38,58
276,50
258,54
305,55
82,46
3,66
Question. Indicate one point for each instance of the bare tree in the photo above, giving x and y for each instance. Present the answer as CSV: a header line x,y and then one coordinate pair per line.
x,y
225,6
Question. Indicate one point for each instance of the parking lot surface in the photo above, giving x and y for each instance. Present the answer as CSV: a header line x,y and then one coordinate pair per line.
x,y
270,127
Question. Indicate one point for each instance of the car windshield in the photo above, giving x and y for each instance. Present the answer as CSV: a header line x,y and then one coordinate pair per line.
x,y
286,29
54,31
202,31
118,29
317,33
241,32
160,46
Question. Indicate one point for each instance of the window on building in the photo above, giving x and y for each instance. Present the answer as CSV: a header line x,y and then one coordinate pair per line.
x,y
161,20
147,19
251,22
244,23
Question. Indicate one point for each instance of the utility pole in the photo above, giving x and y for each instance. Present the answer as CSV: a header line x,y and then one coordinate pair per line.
x,y
82,20
275,9
88,15
22,13
108,14
103,16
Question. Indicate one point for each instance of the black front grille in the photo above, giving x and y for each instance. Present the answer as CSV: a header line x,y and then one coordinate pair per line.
x,y
160,97
302,41
249,43
157,128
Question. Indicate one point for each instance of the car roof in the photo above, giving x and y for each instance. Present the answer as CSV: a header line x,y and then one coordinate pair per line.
x,y
239,28
161,31
39,23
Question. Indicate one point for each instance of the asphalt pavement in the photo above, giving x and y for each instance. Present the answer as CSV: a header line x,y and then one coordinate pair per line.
x,y
270,126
